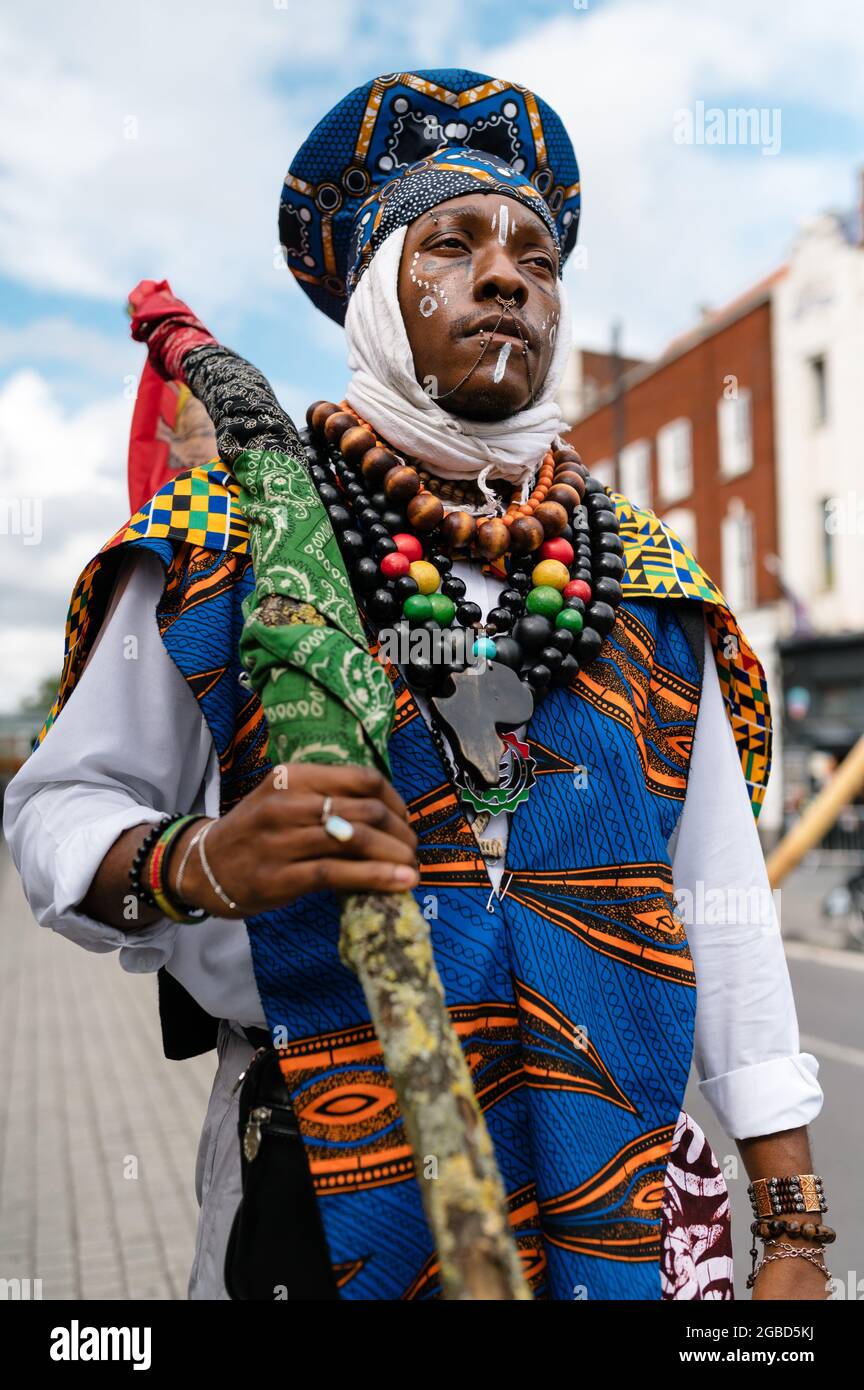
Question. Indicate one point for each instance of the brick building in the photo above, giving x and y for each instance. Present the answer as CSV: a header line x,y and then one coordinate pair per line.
x,y
691,435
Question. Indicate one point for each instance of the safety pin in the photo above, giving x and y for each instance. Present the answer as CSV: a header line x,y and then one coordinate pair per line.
x,y
500,895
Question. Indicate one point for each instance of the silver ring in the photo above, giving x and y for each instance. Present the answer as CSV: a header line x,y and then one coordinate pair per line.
x,y
339,829
326,808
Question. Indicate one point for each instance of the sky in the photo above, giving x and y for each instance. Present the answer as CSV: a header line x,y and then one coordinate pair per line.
x,y
150,139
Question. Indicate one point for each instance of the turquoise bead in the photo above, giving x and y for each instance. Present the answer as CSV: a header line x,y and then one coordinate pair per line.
x,y
544,600
484,646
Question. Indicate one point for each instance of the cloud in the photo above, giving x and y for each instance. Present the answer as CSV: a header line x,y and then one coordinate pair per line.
x,y
63,494
667,227
146,139
63,341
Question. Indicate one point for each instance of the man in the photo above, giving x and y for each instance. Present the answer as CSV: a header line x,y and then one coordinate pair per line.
x,y
432,213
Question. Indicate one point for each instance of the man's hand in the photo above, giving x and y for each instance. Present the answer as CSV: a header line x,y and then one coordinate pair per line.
x,y
273,848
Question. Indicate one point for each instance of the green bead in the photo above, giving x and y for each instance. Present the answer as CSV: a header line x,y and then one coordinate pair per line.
x,y
484,646
417,608
544,600
443,609
570,619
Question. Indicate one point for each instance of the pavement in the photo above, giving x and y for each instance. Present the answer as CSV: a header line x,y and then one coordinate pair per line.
x,y
98,1132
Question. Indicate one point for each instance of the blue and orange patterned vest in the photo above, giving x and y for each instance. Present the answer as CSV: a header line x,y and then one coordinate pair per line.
x,y
573,992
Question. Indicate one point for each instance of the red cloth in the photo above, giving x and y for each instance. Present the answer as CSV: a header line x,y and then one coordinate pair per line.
x,y
150,436
166,325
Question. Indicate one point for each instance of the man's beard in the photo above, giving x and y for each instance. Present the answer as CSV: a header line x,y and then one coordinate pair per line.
x,y
481,403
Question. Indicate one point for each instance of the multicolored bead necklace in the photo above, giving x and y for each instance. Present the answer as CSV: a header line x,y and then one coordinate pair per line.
x,y
558,552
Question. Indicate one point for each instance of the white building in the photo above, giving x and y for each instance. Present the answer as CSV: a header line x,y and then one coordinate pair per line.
x,y
818,337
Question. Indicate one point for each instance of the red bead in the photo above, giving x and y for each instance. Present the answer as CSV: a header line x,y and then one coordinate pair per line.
x,y
394,565
409,545
557,549
577,588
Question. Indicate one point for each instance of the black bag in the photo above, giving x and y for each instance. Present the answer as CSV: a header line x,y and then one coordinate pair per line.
x,y
277,1248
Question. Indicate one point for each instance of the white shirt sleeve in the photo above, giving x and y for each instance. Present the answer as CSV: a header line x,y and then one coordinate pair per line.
x,y
110,761
747,1047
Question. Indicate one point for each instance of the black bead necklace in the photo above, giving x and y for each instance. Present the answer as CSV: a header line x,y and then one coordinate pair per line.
x,y
545,632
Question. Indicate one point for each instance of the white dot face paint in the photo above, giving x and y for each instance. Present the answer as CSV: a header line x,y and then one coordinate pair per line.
x,y
428,305
501,364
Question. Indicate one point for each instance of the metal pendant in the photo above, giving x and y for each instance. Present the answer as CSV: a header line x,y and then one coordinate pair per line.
x,y
252,1133
515,780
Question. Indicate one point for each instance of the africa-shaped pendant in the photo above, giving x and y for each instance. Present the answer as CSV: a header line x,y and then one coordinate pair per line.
x,y
488,704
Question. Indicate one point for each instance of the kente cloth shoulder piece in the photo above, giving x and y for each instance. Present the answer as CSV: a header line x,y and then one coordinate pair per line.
x,y
200,508
574,995
405,142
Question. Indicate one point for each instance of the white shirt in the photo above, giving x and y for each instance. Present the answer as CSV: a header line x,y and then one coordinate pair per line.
x,y
132,743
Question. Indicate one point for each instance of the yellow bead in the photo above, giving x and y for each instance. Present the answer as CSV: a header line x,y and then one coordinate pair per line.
x,y
426,577
551,572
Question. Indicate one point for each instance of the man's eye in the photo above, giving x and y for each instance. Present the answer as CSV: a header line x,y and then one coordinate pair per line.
x,y
450,241
544,262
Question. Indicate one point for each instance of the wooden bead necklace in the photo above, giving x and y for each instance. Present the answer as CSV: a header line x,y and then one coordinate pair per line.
x,y
559,551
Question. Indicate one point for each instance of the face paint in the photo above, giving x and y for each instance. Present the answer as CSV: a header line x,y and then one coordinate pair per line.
x,y
502,224
428,305
501,364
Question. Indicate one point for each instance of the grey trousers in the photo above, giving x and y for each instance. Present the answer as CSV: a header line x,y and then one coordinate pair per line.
x,y
217,1170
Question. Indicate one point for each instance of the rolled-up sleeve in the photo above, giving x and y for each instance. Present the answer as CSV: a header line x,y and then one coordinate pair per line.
x,y
129,745
747,1045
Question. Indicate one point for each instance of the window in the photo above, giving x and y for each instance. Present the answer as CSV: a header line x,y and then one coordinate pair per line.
x,y
819,389
636,472
738,552
675,460
682,521
603,471
734,429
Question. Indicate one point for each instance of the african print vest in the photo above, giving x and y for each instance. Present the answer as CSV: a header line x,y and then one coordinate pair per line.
x,y
572,992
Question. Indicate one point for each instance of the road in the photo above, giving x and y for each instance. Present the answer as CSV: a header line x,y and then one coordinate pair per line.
x,y
98,1133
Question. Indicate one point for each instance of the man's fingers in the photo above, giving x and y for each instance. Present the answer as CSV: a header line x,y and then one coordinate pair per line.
x,y
350,780
365,843
351,876
289,814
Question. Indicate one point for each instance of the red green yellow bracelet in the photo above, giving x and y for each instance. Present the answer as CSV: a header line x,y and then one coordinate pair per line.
x,y
155,873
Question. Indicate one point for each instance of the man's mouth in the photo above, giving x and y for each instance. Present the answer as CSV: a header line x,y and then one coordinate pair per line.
x,y
505,332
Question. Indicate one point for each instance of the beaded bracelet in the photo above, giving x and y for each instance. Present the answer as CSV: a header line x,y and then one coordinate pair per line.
x,y
767,1229
140,891
156,873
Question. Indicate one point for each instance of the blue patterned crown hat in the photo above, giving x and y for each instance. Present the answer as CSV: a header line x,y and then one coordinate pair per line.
x,y
404,143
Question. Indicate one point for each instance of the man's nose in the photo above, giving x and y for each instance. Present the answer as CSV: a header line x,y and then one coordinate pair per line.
x,y
497,274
